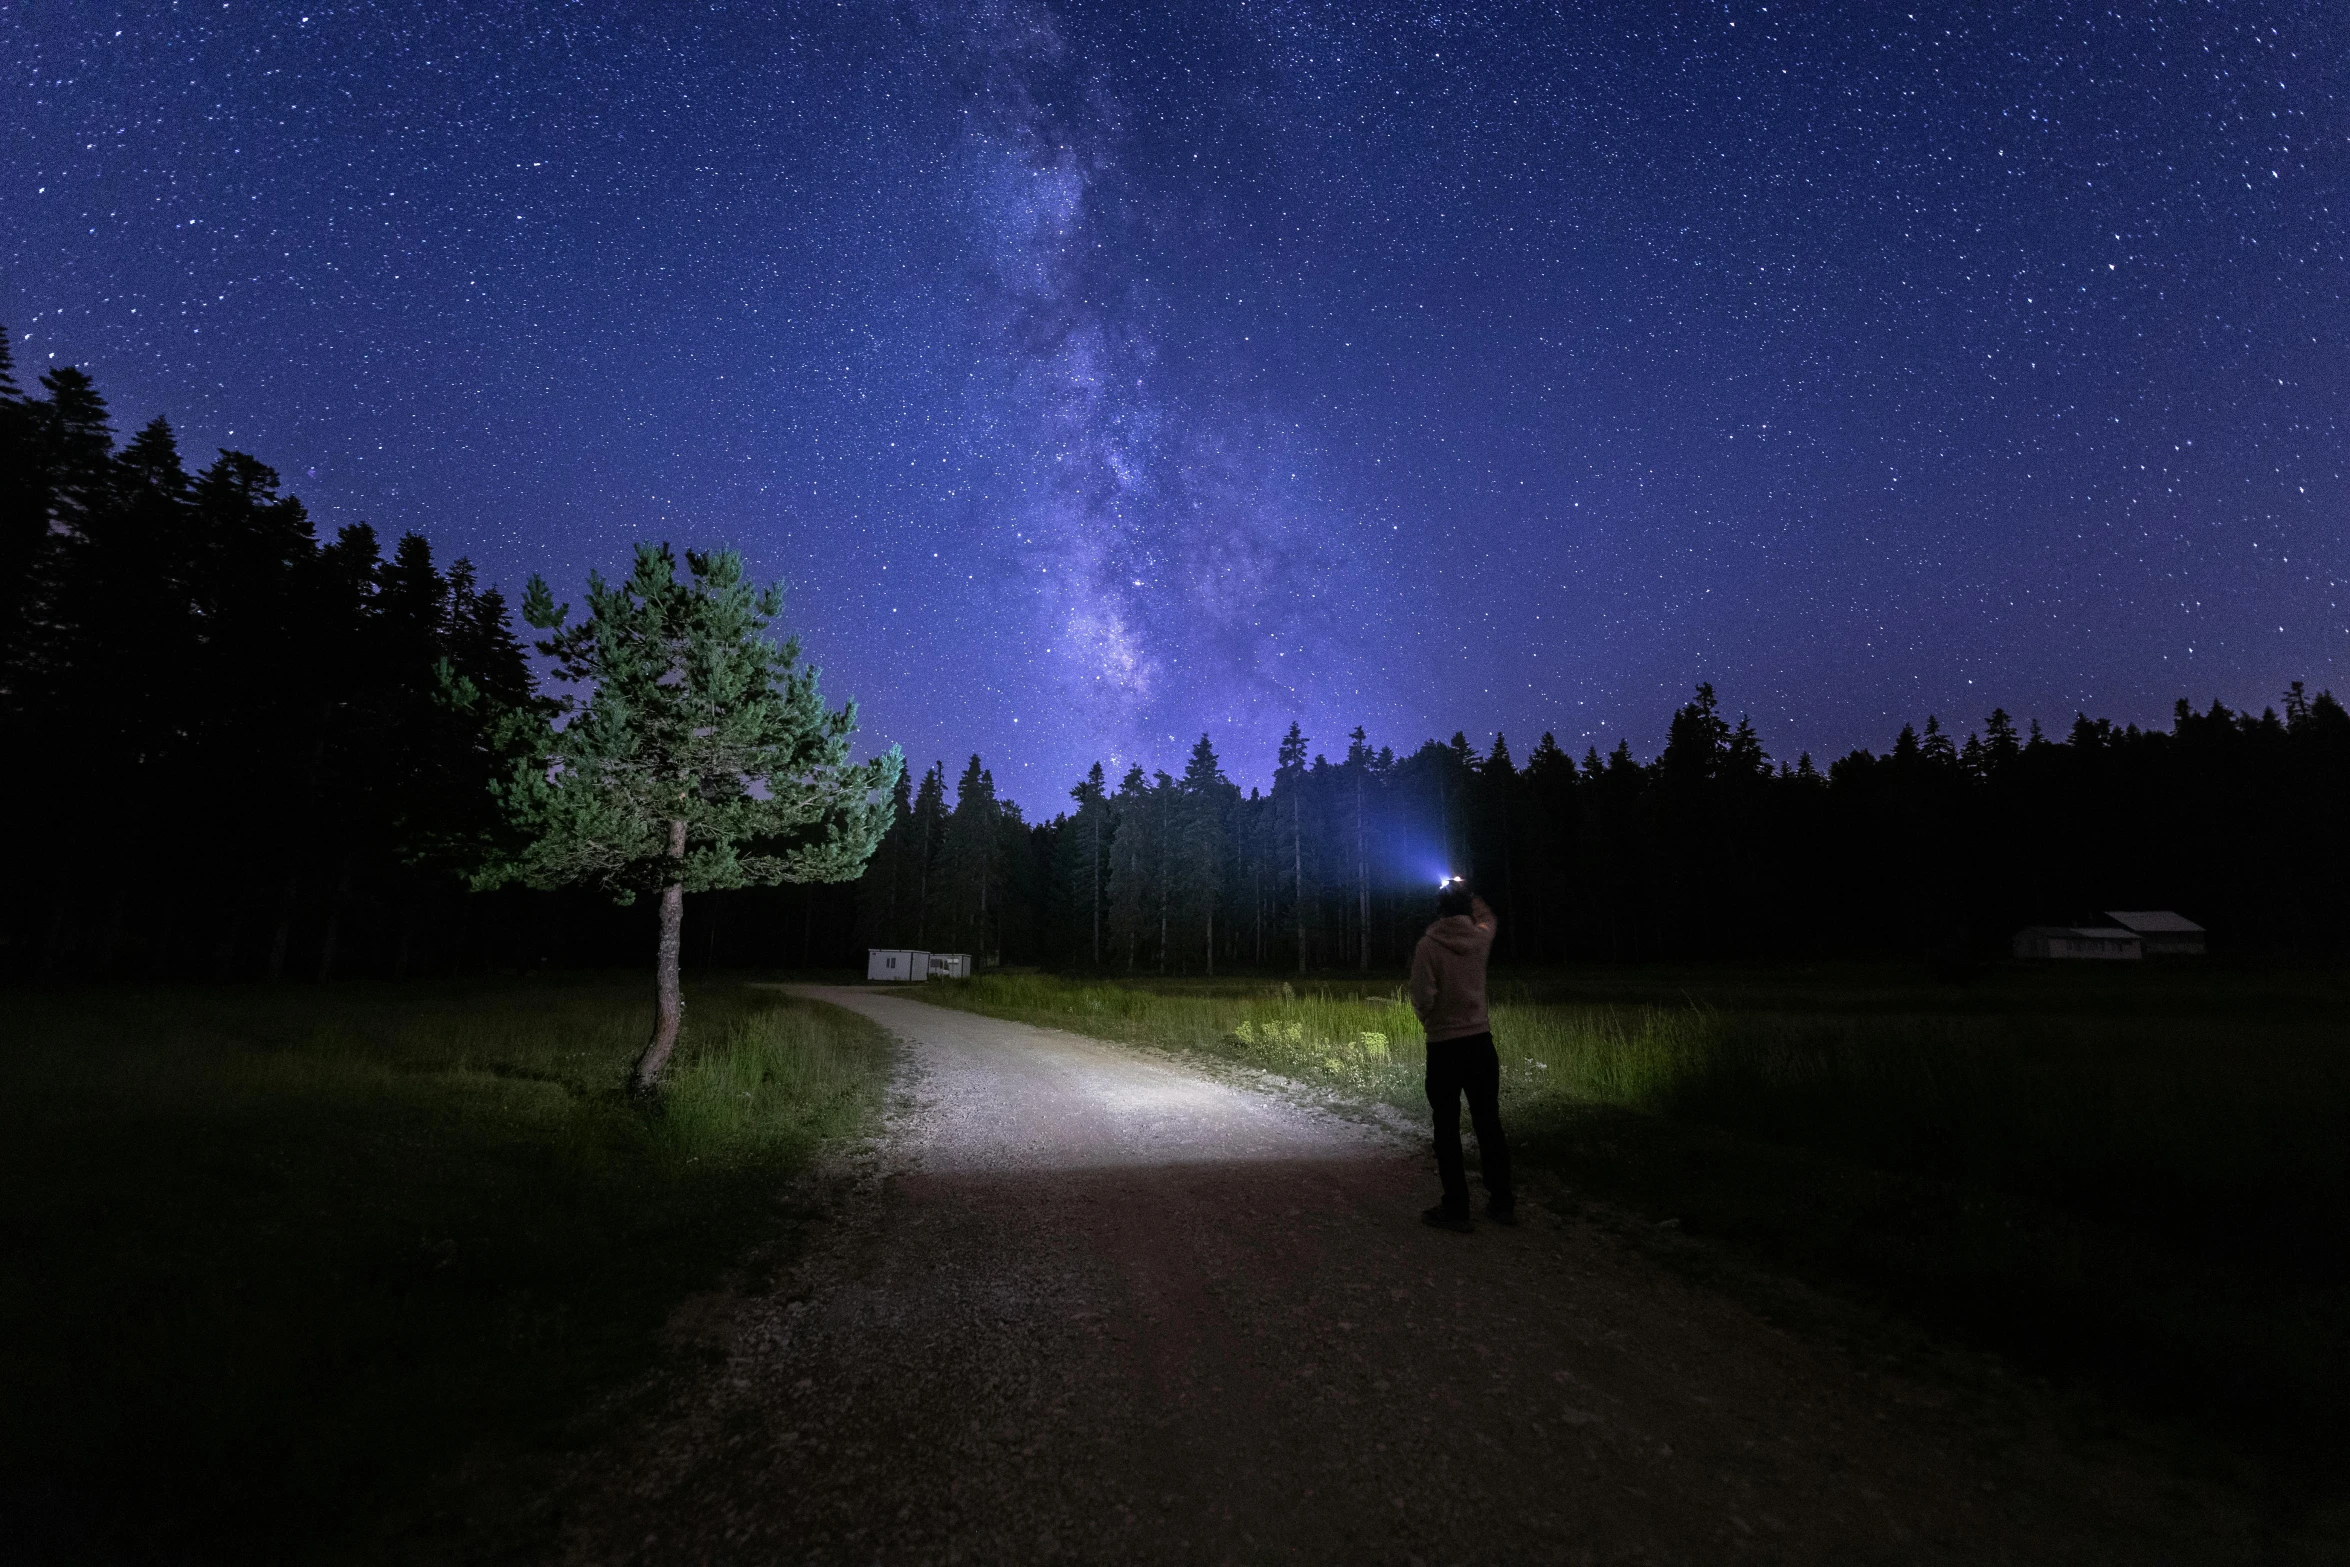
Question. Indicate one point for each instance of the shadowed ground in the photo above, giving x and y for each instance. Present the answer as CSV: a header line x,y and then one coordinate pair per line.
x,y
1101,1305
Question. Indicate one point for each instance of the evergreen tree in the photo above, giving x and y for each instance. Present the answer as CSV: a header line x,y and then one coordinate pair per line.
x,y
700,739
1087,837
1497,788
1289,776
930,826
1132,893
67,446
1554,811
1164,823
1018,900
1203,842
1999,741
218,700
884,911
1358,770
970,862
24,517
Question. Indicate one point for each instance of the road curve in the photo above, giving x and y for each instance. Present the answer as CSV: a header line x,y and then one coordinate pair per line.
x,y
1103,1306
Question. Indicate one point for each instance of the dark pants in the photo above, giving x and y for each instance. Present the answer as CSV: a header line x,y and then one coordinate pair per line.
x,y
1469,1066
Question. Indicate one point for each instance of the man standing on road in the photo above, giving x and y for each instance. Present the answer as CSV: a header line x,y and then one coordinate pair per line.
x,y
1448,991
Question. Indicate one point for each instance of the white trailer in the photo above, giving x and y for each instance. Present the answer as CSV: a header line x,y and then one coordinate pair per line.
x,y
950,965
2078,941
896,963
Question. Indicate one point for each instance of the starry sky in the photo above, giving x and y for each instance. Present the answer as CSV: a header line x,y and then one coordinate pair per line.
x,y
1098,375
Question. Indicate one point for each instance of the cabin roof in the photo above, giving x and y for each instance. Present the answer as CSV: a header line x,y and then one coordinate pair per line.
x,y
2075,932
2155,922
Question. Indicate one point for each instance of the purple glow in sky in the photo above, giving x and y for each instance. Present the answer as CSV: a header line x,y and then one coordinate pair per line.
x,y
1103,375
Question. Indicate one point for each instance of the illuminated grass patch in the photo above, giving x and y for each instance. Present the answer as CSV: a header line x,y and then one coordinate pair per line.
x,y
2140,1187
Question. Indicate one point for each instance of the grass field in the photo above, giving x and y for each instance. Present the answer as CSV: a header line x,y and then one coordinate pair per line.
x,y
2139,1177
276,1257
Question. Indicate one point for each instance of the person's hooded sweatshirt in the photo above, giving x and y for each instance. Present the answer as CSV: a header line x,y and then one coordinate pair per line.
x,y
1448,978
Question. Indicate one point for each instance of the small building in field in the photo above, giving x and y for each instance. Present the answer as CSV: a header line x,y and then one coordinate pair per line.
x,y
896,963
2161,933
950,965
2079,941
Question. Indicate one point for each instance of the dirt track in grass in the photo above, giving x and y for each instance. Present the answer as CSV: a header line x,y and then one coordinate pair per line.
x,y
1099,1304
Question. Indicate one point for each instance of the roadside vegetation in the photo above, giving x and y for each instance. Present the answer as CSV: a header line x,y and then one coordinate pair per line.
x,y
2139,1177
276,1258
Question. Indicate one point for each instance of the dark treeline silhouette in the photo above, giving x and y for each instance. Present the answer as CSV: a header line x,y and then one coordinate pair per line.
x,y
233,749
1936,847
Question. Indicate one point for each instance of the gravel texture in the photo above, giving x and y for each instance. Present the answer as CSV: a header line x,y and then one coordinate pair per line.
x,y
1097,1304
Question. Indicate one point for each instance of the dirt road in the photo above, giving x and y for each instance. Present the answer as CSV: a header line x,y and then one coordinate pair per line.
x,y
1099,1305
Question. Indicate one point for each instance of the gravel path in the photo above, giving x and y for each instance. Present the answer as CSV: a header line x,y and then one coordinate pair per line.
x,y
1095,1304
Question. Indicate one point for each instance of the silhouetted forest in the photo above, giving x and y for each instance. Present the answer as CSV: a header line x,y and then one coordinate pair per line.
x,y
235,750
1938,847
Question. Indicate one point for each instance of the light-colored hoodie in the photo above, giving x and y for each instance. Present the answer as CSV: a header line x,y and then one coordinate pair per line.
x,y
1448,977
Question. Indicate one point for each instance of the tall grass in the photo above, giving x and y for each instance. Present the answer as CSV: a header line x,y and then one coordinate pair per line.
x,y
2191,1113
277,1255
2155,1193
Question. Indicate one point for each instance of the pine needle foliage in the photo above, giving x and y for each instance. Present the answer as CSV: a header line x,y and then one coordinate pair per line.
x,y
701,756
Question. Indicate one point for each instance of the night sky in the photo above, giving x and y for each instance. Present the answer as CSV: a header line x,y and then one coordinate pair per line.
x,y
1102,375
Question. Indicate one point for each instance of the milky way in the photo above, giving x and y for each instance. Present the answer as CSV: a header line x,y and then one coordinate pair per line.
x,y
1099,376
1168,546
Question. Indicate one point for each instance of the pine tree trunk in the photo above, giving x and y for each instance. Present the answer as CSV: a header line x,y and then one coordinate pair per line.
x,y
282,935
1297,849
53,946
1444,817
668,1003
1362,877
334,926
112,950
922,893
1509,885
224,950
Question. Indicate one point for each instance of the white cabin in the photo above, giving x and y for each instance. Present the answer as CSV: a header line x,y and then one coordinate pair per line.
x,y
2162,933
896,963
2079,941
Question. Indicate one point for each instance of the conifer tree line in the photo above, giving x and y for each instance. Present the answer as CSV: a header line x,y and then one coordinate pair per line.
x,y
233,749
1937,847
237,750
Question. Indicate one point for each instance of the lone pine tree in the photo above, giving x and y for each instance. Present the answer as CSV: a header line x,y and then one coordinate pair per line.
x,y
702,757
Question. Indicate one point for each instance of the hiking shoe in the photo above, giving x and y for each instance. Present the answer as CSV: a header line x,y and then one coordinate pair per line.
x,y
1444,1218
1502,1212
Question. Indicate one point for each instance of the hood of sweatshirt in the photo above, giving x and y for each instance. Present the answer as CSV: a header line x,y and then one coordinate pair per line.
x,y
1457,933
